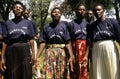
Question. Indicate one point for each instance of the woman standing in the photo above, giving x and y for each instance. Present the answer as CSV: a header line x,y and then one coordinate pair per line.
x,y
101,35
77,30
16,56
55,37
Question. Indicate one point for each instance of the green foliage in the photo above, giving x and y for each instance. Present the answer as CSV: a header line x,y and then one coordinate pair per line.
x,y
5,6
68,7
89,3
39,11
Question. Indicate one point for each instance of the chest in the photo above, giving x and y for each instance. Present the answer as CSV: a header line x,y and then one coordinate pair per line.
x,y
19,28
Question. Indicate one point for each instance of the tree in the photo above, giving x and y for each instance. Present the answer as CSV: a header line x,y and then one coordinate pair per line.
x,y
5,6
39,11
116,6
88,3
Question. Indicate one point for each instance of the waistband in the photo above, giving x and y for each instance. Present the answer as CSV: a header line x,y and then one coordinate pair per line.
x,y
56,45
16,41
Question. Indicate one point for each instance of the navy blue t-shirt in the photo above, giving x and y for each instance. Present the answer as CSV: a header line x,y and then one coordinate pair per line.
x,y
2,24
55,34
77,29
108,29
34,27
22,30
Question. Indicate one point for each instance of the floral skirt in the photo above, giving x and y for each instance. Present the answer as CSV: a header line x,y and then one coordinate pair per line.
x,y
55,64
79,48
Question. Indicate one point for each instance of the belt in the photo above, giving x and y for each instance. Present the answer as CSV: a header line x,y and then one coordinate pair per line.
x,y
16,41
56,45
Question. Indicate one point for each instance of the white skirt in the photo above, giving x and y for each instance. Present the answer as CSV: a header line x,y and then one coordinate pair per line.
x,y
105,60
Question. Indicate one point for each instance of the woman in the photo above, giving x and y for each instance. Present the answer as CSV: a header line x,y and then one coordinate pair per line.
x,y
16,56
55,37
77,30
101,35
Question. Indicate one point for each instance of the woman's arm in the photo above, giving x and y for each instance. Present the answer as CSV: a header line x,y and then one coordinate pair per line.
x,y
72,58
3,67
41,48
32,50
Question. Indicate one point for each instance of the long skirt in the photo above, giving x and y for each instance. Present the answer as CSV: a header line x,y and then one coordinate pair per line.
x,y
105,60
18,59
79,48
55,64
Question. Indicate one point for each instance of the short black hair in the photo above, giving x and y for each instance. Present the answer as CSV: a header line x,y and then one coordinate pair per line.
x,y
98,4
80,4
18,2
56,8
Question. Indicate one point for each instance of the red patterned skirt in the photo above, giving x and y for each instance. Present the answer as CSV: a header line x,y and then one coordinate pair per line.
x,y
79,48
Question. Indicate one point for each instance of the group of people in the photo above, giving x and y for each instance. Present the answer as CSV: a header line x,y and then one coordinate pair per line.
x,y
67,45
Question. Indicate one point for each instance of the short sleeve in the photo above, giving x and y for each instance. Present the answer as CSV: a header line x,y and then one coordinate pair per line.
x,y
34,27
67,34
31,27
1,25
43,35
116,29
4,30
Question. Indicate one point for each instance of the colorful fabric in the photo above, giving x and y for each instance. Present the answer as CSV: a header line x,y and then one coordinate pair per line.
x,y
54,64
79,48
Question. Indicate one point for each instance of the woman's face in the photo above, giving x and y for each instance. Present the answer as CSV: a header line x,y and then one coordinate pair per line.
x,y
80,12
98,11
26,14
18,10
90,14
56,14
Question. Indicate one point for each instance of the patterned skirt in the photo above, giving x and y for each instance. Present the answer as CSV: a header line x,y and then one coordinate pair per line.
x,y
79,48
55,63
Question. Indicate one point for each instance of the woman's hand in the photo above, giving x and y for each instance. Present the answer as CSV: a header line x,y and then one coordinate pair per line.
x,y
71,61
84,63
36,68
3,67
32,59
37,63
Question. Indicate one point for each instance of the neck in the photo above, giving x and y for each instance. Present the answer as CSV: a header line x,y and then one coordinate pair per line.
x,y
56,21
101,19
18,17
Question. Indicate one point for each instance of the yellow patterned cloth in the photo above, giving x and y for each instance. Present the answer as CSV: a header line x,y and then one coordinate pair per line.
x,y
56,45
55,63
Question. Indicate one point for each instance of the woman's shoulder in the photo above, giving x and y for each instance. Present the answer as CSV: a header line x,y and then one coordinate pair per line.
x,y
8,21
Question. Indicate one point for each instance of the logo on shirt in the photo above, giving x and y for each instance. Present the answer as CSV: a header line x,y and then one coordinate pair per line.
x,y
24,27
80,31
17,30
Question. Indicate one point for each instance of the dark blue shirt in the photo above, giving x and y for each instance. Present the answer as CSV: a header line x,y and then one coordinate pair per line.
x,y
108,29
34,27
77,29
1,28
2,24
57,34
22,30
